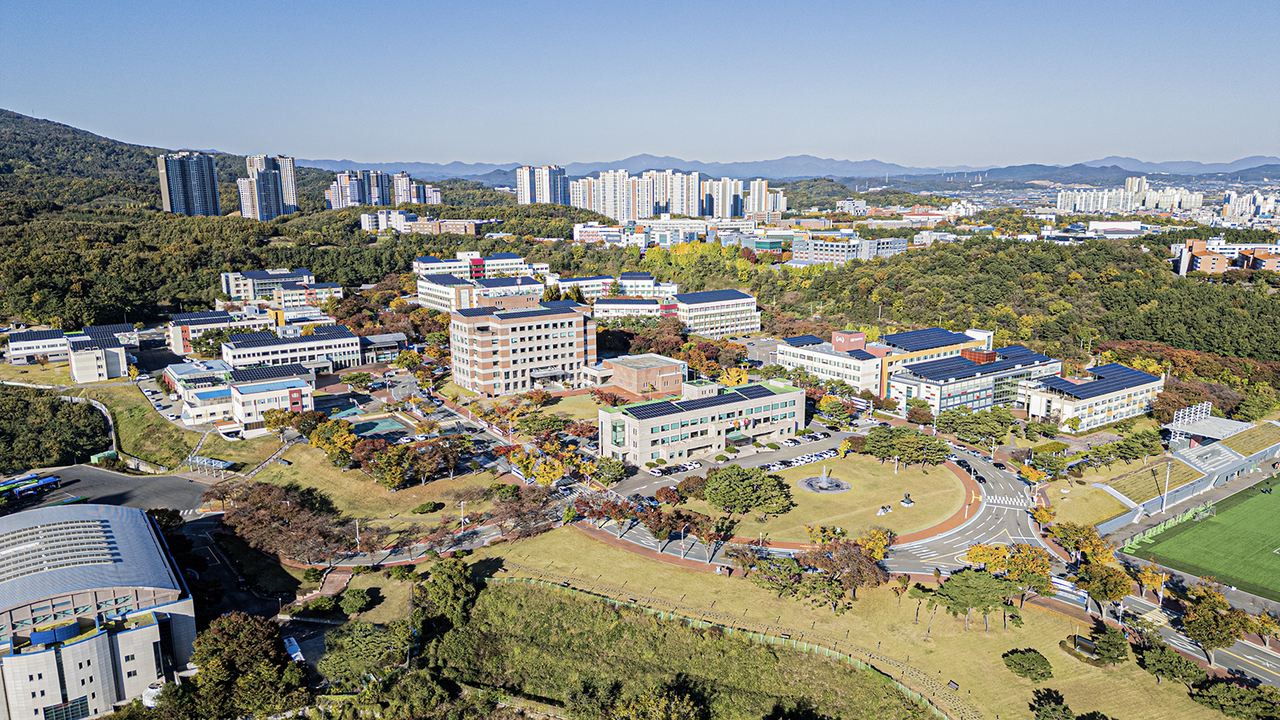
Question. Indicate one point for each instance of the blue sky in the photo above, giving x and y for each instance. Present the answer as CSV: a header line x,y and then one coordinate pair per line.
x,y
915,82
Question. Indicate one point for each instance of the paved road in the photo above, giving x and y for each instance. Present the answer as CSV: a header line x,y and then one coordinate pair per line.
x,y
140,491
1003,516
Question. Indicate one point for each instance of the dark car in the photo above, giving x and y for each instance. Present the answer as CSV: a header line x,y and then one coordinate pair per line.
x,y
1000,466
981,480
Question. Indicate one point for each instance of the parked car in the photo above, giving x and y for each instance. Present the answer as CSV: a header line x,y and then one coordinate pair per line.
x,y
823,435
171,417
143,376
656,472
694,464
1001,466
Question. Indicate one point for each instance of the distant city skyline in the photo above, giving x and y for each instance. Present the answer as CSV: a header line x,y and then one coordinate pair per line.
x,y
980,84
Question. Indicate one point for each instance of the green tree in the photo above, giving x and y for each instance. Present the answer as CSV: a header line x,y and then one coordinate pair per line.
x,y
552,293
1028,663
1104,583
408,359
970,590
609,471
277,419
657,703
736,489
1112,646
575,294
1165,662
360,380
451,591
335,438
244,669
1212,622
355,650
209,343
354,600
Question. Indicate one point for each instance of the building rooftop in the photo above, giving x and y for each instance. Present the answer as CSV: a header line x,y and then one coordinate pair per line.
x,y
444,279
108,330
496,314
73,548
212,317
803,340
309,286
1211,427
213,393
711,296
560,304
957,367
33,335
267,339
1108,379
636,276
384,339
584,279
520,281
276,274
742,393
644,361
268,386
267,372
626,301
88,342
927,339
501,256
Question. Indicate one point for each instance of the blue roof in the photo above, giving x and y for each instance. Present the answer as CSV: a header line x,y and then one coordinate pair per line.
x,y
189,368
444,279
428,259
117,547
213,394
958,367
927,339
1107,379
503,256
267,339
268,275
32,335
803,340
711,296
560,304
308,286
276,386
636,276
583,279
506,282
106,330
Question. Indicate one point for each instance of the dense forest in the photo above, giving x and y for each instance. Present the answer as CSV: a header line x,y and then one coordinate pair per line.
x,y
39,430
824,193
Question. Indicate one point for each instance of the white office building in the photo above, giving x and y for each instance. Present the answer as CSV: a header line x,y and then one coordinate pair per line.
x,y
718,313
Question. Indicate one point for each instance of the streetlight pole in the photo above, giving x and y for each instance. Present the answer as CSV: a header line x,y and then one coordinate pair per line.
x,y
1164,500
464,515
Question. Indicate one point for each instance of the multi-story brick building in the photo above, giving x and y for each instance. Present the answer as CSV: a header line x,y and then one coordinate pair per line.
x,y
708,418
497,352
718,313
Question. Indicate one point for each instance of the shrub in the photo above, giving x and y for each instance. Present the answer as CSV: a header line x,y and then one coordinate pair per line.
x,y
428,507
1028,663
322,604
756,444
692,486
731,450
661,461
313,575
721,458
772,446
404,572
354,601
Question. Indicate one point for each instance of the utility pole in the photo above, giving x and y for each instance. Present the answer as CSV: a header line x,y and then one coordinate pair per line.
x,y
1164,501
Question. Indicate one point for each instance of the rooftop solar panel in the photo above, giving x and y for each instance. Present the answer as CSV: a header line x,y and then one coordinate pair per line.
x,y
202,315
1110,378
268,372
802,340
652,410
754,392
927,339
710,296
709,402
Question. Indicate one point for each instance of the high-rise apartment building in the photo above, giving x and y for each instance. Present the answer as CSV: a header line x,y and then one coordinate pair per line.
x,y
347,190
546,184
625,198
189,184
288,181
722,198
260,195
405,190
378,188
761,199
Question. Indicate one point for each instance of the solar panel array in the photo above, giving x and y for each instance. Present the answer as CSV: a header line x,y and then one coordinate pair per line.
x,y
263,339
30,335
203,315
1110,378
710,296
650,411
803,340
105,330
268,372
927,339
957,367
754,392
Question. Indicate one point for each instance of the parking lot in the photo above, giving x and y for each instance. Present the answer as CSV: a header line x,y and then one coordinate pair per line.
x,y
110,488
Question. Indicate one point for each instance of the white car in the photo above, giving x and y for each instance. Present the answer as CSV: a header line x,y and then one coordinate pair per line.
x,y
148,393
143,376
655,472
404,441
419,438
694,465
171,417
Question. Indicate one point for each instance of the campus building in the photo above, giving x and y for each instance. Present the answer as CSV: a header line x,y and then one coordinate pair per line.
x,y
449,293
810,249
25,347
185,327
259,284
640,374
97,356
1113,393
297,294
844,358
642,284
332,346
93,611
976,379
474,266
718,313
915,346
702,423
612,308
495,352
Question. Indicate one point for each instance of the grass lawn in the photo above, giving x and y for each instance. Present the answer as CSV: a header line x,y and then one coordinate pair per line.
x,y
52,374
972,659
1255,440
448,388
143,432
390,597
1237,546
358,496
246,454
1085,504
938,495
573,408
1145,483
263,570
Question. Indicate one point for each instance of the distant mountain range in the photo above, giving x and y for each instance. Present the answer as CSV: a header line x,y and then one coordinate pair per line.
x,y
807,166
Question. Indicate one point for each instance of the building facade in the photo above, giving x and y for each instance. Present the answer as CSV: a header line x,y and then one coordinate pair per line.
x,y
1114,392
93,611
259,284
613,308
26,347
718,313
473,265
702,423
288,179
189,184
849,362
497,352
334,344
546,184
976,379
185,327
296,295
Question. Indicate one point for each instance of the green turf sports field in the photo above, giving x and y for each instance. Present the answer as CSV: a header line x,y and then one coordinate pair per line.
x,y
1237,546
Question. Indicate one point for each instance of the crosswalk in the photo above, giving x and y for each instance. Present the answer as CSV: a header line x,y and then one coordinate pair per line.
x,y
1008,501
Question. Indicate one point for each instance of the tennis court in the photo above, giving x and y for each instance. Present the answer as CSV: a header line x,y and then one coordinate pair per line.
x,y
380,426
1237,545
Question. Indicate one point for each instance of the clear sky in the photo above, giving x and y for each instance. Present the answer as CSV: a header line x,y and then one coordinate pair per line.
x,y
916,82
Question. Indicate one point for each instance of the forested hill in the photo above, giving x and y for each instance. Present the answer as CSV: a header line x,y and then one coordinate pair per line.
x,y
48,161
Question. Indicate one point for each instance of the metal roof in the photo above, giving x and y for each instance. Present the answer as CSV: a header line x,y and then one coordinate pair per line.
x,y
661,408
636,276
627,301
89,342
802,340
444,279
506,282
958,367
267,339
384,339
33,335
268,372
269,386
1211,427
710,296
108,330
1108,379
269,275
560,304
308,286
74,548
502,256
584,279
861,355
927,339
182,318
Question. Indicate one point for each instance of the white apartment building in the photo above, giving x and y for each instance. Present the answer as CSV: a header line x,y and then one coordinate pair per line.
x,y
473,265
185,327
331,344
258,284
1095,201
707,419
718,313
723,198
508,352
296,295
1114,392
546,184
760,199
828,361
